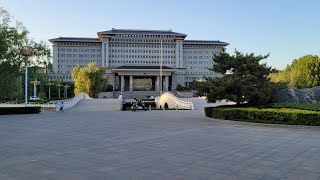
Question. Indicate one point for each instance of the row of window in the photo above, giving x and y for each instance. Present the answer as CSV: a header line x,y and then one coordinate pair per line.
x,y
80,55
140,51
140,62
78,50
142,46
140,56
141,40
78,61
201,52
196,57
197,62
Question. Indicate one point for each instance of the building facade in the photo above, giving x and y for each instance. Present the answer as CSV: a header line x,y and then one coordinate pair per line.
x,y
138,60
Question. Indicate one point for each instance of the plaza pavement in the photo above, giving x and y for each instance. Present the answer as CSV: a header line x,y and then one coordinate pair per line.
x,y
90,142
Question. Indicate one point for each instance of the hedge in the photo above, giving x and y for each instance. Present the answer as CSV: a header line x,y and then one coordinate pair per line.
x,y
19,110
305,106
266,115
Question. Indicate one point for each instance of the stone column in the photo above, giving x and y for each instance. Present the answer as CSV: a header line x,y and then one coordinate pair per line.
x,y
122,83
105,52
131,83
158,83
166,83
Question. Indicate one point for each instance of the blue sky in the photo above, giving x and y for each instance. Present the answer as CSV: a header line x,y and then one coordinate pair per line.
x,y
287,29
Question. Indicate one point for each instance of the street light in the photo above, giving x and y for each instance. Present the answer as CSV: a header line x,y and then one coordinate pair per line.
x,y
27,52
35,83
59,85
49,84
66,86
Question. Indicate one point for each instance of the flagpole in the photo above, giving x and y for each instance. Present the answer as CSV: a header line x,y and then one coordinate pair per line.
x,y
160,68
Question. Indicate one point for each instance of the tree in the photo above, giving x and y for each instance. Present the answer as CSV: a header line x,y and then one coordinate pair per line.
x,y
302,73
11,63
90,79
248,83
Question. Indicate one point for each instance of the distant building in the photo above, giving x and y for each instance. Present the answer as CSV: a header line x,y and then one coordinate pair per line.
x,y
133,58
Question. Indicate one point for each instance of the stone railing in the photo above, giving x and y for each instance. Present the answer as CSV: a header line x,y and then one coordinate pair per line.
x,y
173,102
69,103
46,105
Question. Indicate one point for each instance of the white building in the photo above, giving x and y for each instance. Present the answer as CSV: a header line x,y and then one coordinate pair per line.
x,y
133,58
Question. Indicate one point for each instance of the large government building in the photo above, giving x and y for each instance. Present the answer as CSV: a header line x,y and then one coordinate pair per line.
x,y
135,59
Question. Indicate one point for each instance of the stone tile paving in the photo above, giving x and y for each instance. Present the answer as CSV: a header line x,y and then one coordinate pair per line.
x,y
90,143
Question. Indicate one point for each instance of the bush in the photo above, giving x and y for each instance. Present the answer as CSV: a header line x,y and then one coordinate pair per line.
x,y
311,107
19,110
266,115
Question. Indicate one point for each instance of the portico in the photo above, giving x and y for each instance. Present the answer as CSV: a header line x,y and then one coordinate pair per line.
x,y
142,78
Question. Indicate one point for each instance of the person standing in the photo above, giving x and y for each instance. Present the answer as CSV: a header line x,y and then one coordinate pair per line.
x,y
120,101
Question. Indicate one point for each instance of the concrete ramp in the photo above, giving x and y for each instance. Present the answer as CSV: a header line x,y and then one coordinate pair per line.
x,y
97,105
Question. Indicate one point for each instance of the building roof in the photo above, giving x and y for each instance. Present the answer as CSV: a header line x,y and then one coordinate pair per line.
x,y
142,32
143,67
205,42
75,39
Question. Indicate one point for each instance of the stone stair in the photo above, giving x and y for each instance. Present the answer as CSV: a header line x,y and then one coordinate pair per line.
x,y
97,105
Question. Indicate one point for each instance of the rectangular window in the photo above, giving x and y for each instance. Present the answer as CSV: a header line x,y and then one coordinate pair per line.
x,y
200,57
63,55
81,55
69,50
87,50
93,55
87,55
63,50
194,52
75,55
189,57
189,62
75,50
194,62
93,50
98,50
195,57
200,52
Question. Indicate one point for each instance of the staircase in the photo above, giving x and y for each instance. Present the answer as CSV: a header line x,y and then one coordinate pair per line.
x,y
97,105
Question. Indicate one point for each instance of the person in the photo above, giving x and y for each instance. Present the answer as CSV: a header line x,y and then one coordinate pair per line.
x,y
120,101
61,107
124,102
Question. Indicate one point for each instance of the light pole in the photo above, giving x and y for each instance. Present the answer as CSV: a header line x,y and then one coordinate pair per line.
x,y
49,84
59,85
27,52
66,86
35,83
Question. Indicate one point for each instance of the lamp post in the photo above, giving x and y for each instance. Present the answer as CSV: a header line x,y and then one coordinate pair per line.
x,y
66,86
49,84
59,85
26,51
35,83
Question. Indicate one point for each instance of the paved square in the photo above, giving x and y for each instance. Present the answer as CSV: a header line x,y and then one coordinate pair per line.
x,y
88,142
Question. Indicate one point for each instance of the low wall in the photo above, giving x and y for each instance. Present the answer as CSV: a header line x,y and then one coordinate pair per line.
x,y
136,94
105,95
184,94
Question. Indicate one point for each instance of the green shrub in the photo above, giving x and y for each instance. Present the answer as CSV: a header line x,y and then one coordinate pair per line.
x,y
312,107
19,110
266,115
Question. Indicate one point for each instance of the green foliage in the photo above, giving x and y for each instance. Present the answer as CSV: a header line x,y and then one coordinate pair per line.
x,y
266,115
302,73
14,36
19,110
90,79
311,107
248,83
